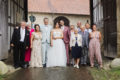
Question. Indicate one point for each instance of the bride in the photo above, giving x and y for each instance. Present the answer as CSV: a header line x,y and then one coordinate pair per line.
x,y
56,54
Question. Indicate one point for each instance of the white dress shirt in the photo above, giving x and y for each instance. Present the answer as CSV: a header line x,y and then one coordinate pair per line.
x,y
62,27
22,35
46,27
88,30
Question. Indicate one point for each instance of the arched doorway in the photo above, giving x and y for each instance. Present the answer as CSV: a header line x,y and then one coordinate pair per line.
x,y
57,19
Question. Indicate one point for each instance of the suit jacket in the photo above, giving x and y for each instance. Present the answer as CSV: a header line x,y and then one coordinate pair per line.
x,y
16,37
73,40
85,38
88,30
45,33
66,34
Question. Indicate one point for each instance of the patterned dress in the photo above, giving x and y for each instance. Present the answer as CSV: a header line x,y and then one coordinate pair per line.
x,y
94,48
36,56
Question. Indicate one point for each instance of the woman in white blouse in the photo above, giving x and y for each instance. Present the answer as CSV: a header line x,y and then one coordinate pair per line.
x,y
76,47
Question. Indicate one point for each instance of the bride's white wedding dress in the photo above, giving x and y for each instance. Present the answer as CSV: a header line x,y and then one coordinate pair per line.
x,y
56,55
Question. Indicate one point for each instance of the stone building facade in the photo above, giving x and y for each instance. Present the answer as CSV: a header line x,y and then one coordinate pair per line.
x,y
72,11
73,19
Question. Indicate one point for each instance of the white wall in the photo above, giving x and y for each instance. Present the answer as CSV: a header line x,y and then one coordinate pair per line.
x,y
72,18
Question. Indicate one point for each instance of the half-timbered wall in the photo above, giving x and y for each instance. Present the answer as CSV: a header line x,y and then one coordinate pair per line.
x,y
12,12
98,13
104,14
118,27
97,18
16,13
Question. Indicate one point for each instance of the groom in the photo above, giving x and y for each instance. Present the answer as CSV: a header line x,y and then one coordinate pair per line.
x,y
66,39
45,29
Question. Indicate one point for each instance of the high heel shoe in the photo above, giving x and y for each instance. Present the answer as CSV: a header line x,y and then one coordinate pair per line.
x,y
101,66
92,66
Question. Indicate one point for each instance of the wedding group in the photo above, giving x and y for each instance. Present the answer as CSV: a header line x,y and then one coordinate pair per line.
x,y
55,46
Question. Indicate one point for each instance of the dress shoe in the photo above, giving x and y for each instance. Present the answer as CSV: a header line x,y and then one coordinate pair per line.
x,y
44,65
16,67
24,66
84,64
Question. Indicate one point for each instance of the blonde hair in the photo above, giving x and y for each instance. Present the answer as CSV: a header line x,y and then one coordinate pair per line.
x,y
82,26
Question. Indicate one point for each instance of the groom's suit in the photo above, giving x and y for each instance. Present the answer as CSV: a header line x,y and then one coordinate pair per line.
x,y
46,30
66,39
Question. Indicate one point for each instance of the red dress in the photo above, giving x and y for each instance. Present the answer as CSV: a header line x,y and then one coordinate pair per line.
x,y
28,51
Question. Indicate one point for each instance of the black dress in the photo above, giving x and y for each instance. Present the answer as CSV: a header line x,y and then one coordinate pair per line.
x,y
76,51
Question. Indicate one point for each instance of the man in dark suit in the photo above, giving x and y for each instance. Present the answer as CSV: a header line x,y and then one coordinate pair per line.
x,y
20,42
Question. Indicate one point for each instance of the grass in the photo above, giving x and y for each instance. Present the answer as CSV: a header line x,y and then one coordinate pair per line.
x,y
98,74
2,77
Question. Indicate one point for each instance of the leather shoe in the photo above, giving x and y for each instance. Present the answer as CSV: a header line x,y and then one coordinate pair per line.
x,y
24,66
16,67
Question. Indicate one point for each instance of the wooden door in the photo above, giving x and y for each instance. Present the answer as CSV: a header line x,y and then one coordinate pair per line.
x,y
110,28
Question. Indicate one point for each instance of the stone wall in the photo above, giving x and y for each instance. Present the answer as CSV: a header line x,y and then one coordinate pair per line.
x,y
72,18
118,28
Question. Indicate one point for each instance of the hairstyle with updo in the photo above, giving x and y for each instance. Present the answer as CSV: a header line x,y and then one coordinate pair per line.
x,y
36,26
94,25
56,23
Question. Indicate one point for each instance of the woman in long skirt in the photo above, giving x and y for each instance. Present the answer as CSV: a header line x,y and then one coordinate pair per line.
x,y
76,47
56,55
36,54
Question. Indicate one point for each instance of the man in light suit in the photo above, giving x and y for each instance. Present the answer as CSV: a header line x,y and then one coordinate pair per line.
x,y
85,45
66,39
46,30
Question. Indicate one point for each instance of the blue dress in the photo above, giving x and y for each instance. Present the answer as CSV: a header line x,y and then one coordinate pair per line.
x,y
76,51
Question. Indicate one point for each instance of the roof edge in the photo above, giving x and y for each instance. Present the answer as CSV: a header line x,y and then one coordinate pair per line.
x,y
58,13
